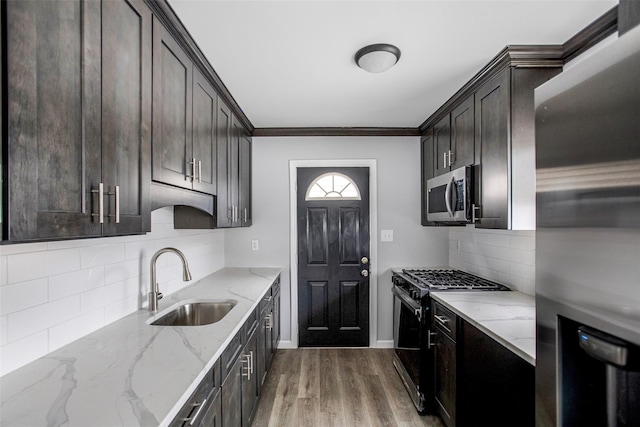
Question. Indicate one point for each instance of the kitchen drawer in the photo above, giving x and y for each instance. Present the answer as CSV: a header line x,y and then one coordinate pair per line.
x,y
194,409
264,302
250,325
446,320
230,355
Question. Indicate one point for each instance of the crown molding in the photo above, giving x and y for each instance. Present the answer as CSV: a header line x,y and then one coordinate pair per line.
x,y
334,131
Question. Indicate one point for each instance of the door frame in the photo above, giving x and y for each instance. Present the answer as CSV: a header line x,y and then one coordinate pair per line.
x,y
373,238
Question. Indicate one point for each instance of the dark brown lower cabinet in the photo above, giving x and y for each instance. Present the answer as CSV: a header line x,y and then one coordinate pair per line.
x,y
231,396
478,381
445,360
250,379
213,416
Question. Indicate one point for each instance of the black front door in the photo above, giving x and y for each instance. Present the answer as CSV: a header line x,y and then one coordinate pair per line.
x,y
333,252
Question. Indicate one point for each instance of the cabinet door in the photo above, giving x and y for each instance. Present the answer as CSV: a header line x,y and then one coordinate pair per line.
x,y
442,145
223,144
492,151
445,377
427,166
205,106
276,320
213,416
53,118
249,380
261,356
245,180
126,115
234,172
462,134
268,336
231,396
172,110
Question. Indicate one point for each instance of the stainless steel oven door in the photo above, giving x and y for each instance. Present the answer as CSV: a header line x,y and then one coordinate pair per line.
x,y
407,343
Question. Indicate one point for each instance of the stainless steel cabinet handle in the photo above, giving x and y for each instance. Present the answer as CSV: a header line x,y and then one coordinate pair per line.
x,y
200,406
269,298
193,170
450,155
245,215
473,212
444,160
430,335
247,359
268,321
441,319
251,358
117,204
100,213
199,170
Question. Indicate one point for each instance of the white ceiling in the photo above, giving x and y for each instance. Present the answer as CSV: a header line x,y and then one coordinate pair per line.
x,y
290,63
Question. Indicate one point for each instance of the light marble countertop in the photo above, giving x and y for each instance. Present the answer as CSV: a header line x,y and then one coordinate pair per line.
x,y
130,373
507,317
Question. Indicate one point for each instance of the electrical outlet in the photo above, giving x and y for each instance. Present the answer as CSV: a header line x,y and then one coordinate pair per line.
x,y
254,245
386,235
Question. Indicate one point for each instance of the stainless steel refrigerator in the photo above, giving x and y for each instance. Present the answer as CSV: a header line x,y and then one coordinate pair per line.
x,y
588,241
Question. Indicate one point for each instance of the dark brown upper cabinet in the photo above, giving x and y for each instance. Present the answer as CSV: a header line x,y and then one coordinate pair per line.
x,y
245,180
442,145
223,142
427,171
184,118
489,124
238,177
453,138
77,144
505,141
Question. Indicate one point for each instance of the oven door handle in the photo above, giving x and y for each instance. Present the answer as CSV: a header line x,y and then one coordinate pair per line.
x,y
404,298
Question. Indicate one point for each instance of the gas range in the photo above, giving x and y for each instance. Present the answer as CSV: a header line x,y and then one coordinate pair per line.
x,y
420,282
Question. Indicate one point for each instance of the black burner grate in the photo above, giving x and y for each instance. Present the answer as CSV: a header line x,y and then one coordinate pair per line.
x,y
452,279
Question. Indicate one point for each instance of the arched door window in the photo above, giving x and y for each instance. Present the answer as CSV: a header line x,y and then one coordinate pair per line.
x,y
333,186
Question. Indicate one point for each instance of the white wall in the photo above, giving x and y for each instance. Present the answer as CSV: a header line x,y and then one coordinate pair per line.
x,y
507,257
54,293
398,209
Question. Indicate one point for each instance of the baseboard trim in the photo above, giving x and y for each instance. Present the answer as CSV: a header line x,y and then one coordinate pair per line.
x,y
286,344
378,344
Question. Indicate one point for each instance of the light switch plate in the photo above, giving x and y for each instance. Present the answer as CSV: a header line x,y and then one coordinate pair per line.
x,y
386,235
254,245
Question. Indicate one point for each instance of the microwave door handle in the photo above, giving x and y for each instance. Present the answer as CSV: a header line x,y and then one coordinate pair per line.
x,y
447,197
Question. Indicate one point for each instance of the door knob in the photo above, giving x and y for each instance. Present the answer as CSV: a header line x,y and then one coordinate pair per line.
x,y
364,273
364,260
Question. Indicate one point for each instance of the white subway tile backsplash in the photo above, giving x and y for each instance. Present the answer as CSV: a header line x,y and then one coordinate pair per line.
x,y
121,308
29,348
526,243
71,330
99,297
26,322
56,292
101,255
20,296
64,285
29,266
3,331
501,255
3,270
22,248
123,271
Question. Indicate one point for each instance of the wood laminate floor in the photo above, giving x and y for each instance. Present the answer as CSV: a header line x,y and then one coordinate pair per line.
x,y
336,387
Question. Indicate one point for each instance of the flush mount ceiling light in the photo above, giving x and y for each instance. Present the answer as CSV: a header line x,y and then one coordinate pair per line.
x,y
377,58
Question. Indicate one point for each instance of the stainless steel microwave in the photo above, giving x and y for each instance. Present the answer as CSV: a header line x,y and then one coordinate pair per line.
x,y
449,196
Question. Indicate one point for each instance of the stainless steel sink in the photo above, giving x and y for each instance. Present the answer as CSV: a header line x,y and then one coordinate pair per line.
x,y
195,313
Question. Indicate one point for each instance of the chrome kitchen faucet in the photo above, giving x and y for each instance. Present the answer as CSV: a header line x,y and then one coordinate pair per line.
x,y
155,294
